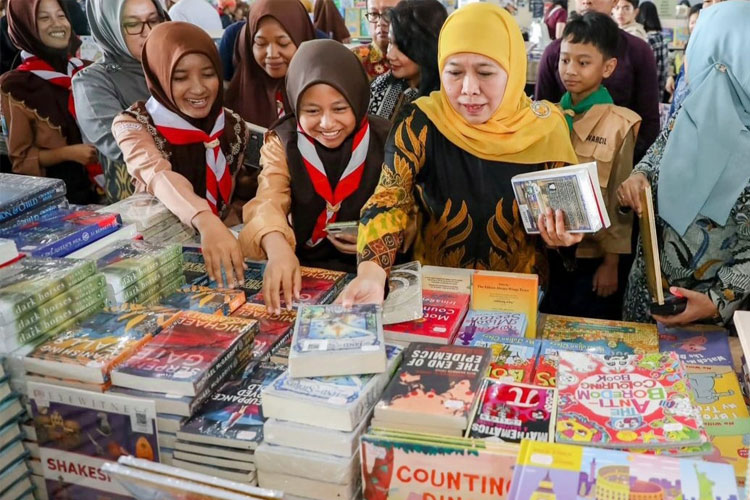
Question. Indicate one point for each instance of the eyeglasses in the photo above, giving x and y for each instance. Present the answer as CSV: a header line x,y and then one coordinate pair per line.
x,y
137,27
375,17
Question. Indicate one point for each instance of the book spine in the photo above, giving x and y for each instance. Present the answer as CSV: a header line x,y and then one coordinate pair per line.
x,y
171,269
232,366
85,235
35,215
244,343
96,298
90,285
31,202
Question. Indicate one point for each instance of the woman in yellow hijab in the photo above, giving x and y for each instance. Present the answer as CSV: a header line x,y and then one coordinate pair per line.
x,y
453,157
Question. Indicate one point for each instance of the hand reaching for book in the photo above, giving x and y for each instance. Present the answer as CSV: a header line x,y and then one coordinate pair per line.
x,y
221,250
552,229
282,273
367,288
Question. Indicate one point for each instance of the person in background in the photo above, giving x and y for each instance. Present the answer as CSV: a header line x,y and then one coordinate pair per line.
x,y
697,171
678,86
454,155
373,56
633,85
320,163
226,48
226,9
328,20
241,12
625,13
197,12
412,56
264,48
9,53
603,133
556,17
108,87
36,105
77,17
183,146
648,17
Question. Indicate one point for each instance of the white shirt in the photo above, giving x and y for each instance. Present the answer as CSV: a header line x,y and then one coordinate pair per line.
x,y
199,13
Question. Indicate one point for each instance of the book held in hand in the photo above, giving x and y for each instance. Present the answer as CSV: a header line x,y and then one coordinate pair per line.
x,y
334,340
404,301
574,190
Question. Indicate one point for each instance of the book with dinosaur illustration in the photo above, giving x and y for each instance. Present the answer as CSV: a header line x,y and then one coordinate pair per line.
x,y
697,344
626,401
603,335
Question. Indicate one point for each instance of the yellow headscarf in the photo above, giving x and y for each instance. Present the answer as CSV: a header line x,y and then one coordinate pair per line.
x,y
519,131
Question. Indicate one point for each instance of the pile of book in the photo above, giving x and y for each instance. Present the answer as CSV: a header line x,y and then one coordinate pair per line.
x,y
183,365
222,302
221,437
274,331
151,219
314,422
140,272
25,199
15,475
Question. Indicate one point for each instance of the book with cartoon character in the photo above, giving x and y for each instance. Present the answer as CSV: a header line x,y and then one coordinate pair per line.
x,y
513,359
611,336
626,401
334,340
697,344
510,412
717,394
545,371
436,386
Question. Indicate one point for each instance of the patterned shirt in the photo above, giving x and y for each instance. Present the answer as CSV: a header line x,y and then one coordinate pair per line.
x,y
661,53
373,59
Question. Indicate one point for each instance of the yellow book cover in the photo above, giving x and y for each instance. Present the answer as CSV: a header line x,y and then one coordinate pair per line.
x,y
719,398
507,292
615,336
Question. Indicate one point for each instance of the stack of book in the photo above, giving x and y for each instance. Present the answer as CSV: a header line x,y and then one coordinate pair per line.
x,y
151,218
442,314
15,475
183,365
552,470
638,401
223,302
61,232
319,286
24,198
274,330
435,390
312,431
140,272
220,438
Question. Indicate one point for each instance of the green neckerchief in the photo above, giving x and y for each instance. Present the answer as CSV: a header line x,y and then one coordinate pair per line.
x,y
600,96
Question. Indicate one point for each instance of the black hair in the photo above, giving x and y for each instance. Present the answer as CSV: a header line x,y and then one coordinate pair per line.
x,y
649,17
598,29
416,26
561,3
695,9
634,3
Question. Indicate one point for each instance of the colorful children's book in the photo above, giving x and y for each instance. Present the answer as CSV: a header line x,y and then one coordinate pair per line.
x,y
485,328
613,336
273,329
392,464
319,286
510,412
507,292
716,392
545,371
22,193
233,415
338,403
567,472
513,359
79,431
404,301
627,401
697,345
206,300
436,385
334,340
442,313
89,352
190,354
62,233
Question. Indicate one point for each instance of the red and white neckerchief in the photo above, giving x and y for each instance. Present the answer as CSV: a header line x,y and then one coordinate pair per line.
x,y
176,130
279,104
348,183
43,70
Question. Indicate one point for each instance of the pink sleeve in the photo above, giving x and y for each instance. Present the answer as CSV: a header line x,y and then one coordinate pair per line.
x,y
147,165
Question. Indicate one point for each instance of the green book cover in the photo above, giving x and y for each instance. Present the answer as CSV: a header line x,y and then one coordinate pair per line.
x,y
129,261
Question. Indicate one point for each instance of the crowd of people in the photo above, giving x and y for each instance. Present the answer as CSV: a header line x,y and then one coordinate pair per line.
x,y
415,137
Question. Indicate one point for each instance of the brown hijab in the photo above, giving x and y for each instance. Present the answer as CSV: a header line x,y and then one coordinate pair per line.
x,y
252,93
327,19
47,100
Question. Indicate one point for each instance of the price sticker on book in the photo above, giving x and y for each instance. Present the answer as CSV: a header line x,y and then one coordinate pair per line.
x,y
315,345
141,419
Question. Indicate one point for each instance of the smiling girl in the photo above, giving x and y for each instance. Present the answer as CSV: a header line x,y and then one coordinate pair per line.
x,y
38,113
320,165
183,146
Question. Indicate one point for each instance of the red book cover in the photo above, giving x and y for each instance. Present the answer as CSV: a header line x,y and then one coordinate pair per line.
x,y
273,328
187,350
319,286
443,313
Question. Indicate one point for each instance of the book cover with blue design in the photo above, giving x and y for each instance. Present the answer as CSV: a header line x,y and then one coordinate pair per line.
x,y
43,211
697,344
331,340
484,328
22,193
64,232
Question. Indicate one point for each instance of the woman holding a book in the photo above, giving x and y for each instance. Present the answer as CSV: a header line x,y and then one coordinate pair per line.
x,y
320,165
36,105
698,173
454,156
183,146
